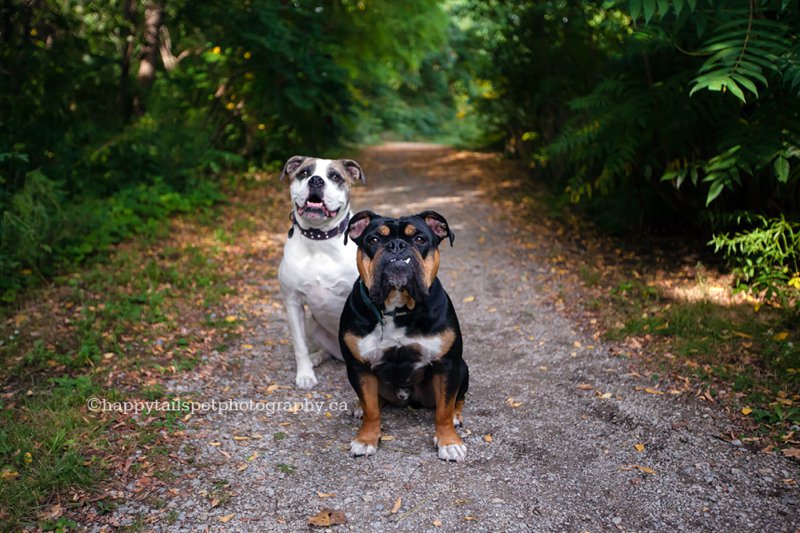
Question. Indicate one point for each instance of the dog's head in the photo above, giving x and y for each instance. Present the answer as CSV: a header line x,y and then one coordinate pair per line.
x,y
320,188
398,256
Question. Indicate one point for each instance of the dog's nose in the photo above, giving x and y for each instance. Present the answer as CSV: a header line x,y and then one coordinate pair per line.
x,y
316,182
397,246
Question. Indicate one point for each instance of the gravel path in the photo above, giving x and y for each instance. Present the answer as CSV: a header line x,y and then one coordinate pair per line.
x,y
545,451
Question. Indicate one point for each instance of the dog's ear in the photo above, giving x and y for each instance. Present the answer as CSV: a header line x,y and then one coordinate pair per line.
x,y
358,223
438,225
291,165
354,171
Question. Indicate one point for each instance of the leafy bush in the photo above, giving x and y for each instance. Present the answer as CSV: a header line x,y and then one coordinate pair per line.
x,y
766,259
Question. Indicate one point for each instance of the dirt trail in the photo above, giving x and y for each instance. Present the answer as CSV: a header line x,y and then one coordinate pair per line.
x,y
560,457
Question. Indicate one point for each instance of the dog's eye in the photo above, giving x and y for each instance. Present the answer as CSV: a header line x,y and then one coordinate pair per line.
x,y
420,239
373,240
304,173
337,178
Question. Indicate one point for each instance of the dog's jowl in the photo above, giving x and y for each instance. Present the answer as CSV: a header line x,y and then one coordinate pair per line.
x,y
399,333
318,266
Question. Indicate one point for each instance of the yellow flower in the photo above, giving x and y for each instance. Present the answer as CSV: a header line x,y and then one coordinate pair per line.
x,y
216,50
230,105
795,282
28,458
248,55
262,127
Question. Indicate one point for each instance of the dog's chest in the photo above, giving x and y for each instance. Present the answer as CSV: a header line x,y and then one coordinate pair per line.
x,y
317,269
374,346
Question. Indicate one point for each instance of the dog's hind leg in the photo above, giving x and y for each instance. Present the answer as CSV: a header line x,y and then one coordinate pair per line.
x,y
326,341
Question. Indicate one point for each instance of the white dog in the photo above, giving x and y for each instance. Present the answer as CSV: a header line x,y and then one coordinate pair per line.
x,y
318,269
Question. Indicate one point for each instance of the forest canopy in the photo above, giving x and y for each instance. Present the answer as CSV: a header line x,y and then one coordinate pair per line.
x,y
654,115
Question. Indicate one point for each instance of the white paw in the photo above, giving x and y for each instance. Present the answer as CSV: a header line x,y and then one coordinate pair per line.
x,y
453,452
317,357
357,449
305,380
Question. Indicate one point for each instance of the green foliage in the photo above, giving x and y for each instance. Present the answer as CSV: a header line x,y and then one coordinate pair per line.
x,y
766,259
91,152
651,114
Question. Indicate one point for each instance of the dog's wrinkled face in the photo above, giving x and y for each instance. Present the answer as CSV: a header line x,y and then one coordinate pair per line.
x,y
320,188
398,256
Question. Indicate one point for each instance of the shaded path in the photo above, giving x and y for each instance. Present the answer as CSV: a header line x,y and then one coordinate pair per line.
x,y
560,458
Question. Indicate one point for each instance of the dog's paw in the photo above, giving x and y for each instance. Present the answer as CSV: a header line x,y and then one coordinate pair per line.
x,y
317,357
359,449
458,421
305,380
451,452
358,412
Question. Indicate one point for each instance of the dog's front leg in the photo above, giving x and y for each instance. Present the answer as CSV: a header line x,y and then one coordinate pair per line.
x,y
449,444
365,384
305,378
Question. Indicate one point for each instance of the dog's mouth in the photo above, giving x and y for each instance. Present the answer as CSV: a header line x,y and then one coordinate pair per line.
x,y
315,208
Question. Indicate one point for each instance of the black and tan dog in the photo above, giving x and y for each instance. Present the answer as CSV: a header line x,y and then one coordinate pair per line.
x,y
399,332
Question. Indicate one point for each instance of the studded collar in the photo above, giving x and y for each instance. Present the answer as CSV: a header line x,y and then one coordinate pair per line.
x,y
316,234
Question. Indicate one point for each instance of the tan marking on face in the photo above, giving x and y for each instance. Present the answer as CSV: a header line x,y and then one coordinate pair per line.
x,y
430,265
405,299
370,431
339,167
410,230
364,265
384,230
352,344
445,410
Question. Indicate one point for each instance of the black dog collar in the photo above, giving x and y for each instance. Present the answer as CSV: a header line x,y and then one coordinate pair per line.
x,y
315,234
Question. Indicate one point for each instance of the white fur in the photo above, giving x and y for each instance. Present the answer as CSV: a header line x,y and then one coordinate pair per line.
x,y
317,274
358,449
451,452
372,345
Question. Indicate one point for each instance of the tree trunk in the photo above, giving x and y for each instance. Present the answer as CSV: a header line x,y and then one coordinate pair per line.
x,y
125,99
147,66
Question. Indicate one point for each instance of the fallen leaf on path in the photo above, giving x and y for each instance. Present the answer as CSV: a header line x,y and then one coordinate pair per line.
x,y
214,503
781,336
227,518
648,390
604,396
513,403
437,523
468,299
326,494
792,452
742,335
386,438
327,517
639,447
584,386
397,504
746,410
231,318
214,443
240,437
645,469
488,438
